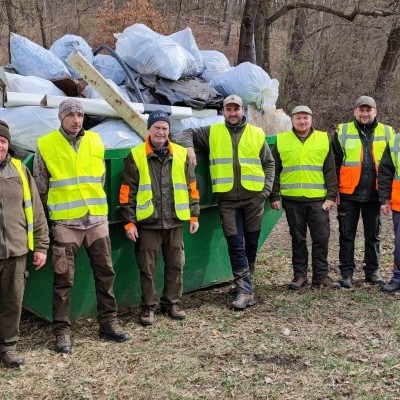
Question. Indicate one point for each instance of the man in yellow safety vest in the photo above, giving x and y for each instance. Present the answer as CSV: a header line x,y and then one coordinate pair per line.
x,y
69,172
305,178
158,193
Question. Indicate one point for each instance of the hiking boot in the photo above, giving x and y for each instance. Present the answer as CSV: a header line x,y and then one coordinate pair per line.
x,y
114,333
390,287
146,316
346,282
251,268
11,359
242,301
175,311
63,343
327,282
374,279
298,282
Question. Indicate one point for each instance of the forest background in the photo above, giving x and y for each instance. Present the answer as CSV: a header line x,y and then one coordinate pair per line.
x,y
324,52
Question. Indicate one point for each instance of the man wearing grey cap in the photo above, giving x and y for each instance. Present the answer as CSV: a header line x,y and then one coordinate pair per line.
x,y
242,172
305,178
69,172
358,147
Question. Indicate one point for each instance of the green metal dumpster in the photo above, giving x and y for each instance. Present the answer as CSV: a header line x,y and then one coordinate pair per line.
x,y
207,261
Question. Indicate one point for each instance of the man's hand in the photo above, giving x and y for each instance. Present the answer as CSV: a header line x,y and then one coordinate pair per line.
x,y
276,205
132,234
191,156
328,204
385,208
39,259
194,227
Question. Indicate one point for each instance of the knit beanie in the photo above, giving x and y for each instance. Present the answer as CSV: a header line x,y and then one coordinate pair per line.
x,y
157,115
5,131
68,106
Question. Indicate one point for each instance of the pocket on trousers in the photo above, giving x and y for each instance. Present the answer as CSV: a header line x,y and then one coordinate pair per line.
x,y
59,260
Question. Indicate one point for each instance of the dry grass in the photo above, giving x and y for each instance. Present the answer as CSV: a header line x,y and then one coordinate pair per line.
x,y
314,344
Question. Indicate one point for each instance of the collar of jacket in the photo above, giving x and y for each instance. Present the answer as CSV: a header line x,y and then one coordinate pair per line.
x,y
367,129
238,127
72,138
149,149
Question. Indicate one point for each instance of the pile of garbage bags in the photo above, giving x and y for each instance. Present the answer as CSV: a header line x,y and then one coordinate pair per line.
x,y
168,70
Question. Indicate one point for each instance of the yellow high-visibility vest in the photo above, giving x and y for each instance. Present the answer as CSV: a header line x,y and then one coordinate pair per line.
x,y
144,203
252,176
75,186
349,139
394,146
302,164
28,209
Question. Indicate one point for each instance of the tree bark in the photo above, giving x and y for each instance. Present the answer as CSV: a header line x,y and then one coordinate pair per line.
x,y
262,36
228,14
389,64
11,23
40,11
247,51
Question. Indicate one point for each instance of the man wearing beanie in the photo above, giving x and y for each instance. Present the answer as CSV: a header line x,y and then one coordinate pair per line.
x,y
242,173
23,227
69,172
158,193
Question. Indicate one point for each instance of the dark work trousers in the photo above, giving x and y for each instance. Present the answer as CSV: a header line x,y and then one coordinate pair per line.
x,y
396,264
299,215
12,285
147,249
241,223
64,254
348,217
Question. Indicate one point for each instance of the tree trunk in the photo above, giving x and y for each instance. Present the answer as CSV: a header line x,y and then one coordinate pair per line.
x,y
11,23
293,57
40,11
229,8
247,51
261,35
388,65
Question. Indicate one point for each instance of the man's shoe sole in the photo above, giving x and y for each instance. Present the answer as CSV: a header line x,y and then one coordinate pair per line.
x,y
64,349
117,339
292,286
146,323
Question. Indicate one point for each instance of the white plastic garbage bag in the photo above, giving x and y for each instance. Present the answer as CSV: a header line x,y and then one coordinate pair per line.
x,y
117,134
109,67
64,46
251,83
28,123
28,58
186,39
215,64
29,84
150,53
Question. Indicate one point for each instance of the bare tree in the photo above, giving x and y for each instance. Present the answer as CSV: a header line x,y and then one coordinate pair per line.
x,y
246,39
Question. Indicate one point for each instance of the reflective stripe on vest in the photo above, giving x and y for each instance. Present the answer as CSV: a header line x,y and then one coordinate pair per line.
x,y
394,146
28,209
302,164
252,176
75,186
144,203
349,139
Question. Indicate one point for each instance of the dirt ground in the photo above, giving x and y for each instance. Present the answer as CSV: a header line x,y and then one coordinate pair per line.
x,y
312,344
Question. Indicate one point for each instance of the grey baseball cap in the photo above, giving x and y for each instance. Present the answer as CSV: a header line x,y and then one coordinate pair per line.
x,y
233,99
365,101
301,109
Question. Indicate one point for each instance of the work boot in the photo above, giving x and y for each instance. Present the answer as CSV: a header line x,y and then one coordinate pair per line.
x,y
346,282
11,359
114,332
63,343
251,268
390,287
374,279
242,301
298,282
146,316
175,311
326,282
